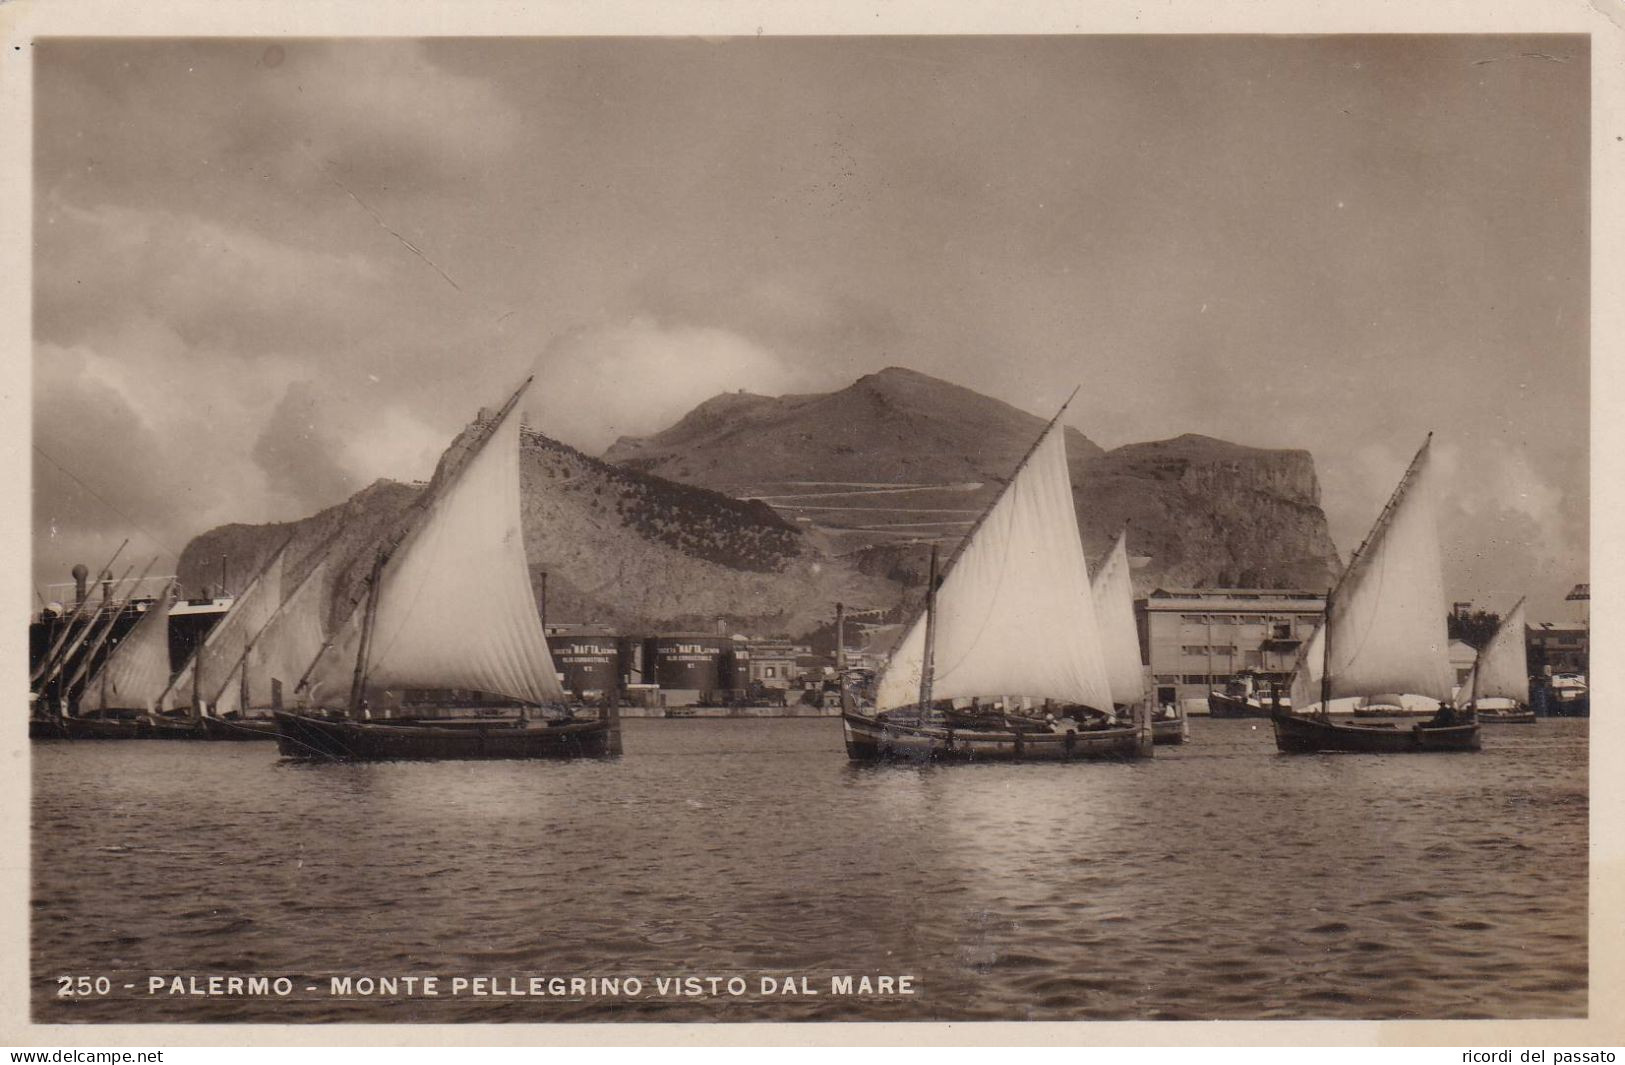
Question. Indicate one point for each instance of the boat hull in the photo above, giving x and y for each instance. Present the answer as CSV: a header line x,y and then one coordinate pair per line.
x,y
1170,730
239,729
305,737
871,739
1520,715
1221,705
1301,734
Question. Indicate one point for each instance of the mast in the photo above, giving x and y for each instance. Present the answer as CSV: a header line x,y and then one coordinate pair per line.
x,y
67,626
1326,661
59,667
359,683
197,651
115,610
419,507
928,662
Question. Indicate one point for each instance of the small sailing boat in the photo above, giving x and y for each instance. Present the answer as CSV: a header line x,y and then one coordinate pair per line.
x,y
118,700
1113,591
206,699
1497,687
1005,659
1383,631
448,606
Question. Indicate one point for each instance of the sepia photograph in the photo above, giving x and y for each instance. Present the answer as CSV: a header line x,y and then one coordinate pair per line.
x,y
541,529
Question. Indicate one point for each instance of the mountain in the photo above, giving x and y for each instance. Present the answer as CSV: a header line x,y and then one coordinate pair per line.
x,y
619,547
764,512
899,457
894,426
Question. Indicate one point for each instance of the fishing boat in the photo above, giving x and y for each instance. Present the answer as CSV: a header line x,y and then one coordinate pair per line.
x,y
119,701
1112,589
1247,695
447,606
1383,631
206,699
1004,661
1496,689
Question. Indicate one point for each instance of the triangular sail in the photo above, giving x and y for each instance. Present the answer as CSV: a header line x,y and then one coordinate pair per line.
x,y
1502,668
216,660
1015,615
1386,616
454,606
137,671
1113,590
290,641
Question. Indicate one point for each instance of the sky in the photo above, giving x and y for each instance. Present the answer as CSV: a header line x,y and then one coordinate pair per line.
x,y
268,272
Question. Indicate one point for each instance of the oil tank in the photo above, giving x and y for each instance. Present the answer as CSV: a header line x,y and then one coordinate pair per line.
x,y
690,666
586,663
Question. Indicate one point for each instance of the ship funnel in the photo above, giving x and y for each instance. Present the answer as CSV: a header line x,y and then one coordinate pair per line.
x,y
80,573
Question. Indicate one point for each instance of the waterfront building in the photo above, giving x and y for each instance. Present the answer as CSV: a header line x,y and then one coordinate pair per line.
x,y
1195,640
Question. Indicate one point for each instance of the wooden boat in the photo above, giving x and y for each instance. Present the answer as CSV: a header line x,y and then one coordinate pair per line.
x,y
1004,662
211,691
1112,589
1244,697
448,606
116,700
1383,632
1497,687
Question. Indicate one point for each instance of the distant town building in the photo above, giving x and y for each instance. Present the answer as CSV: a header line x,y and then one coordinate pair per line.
x,y
1462,657
1197,639
1559,647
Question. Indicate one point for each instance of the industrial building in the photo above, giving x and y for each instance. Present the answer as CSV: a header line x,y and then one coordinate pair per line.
x,y
1197,639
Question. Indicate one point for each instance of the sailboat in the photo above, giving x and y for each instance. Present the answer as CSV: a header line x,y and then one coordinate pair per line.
x,y
1005,660
1113,591
447,606
1383,631
118,700
1497,687
203,699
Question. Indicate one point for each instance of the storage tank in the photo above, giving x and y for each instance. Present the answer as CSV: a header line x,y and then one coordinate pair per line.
x,y
585,663
689,669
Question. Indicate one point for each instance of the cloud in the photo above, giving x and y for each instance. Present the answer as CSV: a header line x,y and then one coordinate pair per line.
x,y
300,457
223,288
637,378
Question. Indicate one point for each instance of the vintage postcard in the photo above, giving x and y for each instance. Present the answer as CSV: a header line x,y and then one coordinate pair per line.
x,y
535,522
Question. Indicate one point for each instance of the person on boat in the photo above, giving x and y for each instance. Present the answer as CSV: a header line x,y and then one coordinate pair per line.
x,y
1444,717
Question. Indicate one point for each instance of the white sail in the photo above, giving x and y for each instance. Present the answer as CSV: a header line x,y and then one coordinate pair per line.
x,y
454,607
1113,591
1014,615
290,641
1502,668
1386,620
1306,677
216,661
137,671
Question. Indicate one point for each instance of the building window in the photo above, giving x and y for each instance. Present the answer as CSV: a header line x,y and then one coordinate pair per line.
x,y
1224,619
770,671
1196,678
1194,619
1194,649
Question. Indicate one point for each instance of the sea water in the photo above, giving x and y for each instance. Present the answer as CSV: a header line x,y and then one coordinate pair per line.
x,y
745,870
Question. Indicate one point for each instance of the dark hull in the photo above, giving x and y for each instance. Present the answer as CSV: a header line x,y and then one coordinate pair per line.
x,y
1299,734
239,729
872,739
1220,705
46,728
314,738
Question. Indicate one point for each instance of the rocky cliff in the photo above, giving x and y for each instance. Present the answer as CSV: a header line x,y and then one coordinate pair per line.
x,y
900,457
619,547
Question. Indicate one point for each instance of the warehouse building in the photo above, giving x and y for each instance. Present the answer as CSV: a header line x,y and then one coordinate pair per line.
x,y
1198,639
